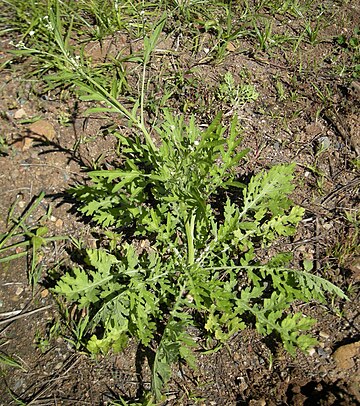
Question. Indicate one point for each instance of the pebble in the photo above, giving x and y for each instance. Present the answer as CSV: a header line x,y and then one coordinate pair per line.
x,y
44,293
324,335
236,356
21,113
323,143
260,402
59,223
328,226
311,351
26,143
322,353
354,267
58,365
242,385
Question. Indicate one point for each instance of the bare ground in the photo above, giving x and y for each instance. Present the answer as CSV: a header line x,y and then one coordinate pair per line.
x,y
251,370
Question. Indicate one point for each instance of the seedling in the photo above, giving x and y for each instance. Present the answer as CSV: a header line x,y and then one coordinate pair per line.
x,y
264,36
31,241
312,32
6,360
235,94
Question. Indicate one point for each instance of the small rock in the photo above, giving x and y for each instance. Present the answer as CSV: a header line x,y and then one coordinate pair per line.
x,y
323,144
344,355
311,351
259,402
313,130
26,143
236,357
324,335
323,370
21,113
19,291
242,385
58,365
43,128
328,226
322,353
230,47
59,223
44,293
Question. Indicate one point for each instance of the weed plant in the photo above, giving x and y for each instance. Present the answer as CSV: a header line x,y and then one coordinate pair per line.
x,y
180,230
180,237
21,241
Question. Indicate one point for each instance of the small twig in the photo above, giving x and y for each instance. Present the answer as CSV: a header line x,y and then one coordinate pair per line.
x,y
316,243
70,363
10,314
340,126
351,184
19,316
51,166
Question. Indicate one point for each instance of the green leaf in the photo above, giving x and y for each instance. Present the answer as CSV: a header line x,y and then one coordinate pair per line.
x,y
184,246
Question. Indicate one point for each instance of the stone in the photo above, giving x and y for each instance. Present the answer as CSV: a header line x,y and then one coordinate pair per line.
x,y
43,128
344,355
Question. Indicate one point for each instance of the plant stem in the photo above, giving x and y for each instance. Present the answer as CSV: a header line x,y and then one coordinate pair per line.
x,y
189,228
23,219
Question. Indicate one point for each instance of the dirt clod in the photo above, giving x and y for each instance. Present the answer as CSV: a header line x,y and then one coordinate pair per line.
x,y
43,128
345,355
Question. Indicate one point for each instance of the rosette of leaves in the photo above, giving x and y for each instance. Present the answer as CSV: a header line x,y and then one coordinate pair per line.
x,y
182,238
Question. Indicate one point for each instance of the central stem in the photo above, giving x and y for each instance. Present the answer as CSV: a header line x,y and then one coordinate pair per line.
x,y
189,228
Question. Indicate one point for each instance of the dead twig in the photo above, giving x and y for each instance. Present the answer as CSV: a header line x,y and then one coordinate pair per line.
x,y
340,126
20,316
353,183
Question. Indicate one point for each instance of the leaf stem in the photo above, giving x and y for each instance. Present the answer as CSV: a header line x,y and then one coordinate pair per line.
x,y
189,229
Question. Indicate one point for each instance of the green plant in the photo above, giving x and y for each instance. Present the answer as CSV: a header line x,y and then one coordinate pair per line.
x,y
184,250
351,44
10,361
346,249
4,147
235,94
46,33
53,330
280,90
312,31
20,240
183,237
264,36
145,402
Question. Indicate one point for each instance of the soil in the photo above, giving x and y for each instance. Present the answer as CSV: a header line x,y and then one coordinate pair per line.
x,y
53,155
